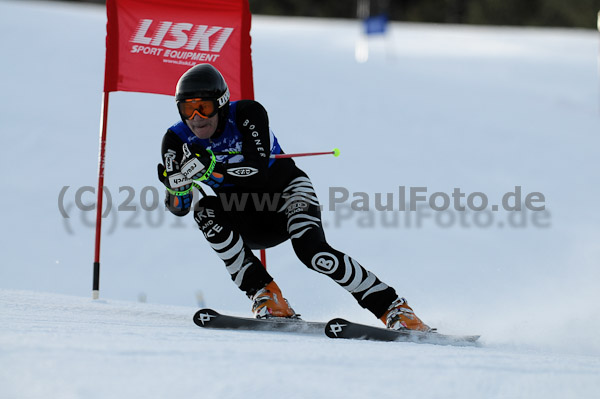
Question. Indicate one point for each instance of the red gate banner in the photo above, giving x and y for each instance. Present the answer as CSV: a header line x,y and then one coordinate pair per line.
x,y
151,43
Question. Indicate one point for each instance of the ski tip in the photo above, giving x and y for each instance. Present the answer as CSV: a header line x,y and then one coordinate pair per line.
x,y
341,328
204,316
335,327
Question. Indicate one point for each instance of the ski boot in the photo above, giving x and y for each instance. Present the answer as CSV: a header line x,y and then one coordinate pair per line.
x,y
269,302
400,316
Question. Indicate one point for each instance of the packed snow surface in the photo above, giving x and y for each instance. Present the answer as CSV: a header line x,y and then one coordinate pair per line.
x,y
481,109
58,346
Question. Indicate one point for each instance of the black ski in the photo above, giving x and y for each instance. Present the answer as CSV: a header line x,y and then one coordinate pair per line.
x,y
340,328
208,318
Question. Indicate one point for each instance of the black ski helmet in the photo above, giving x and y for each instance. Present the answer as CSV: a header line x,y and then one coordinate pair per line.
x,y
206,82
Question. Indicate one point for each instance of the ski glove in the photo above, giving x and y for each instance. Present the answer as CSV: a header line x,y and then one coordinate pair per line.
x,y
178,198
175,182
214,180
198,162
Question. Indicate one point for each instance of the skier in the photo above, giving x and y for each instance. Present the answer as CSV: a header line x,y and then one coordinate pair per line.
x,y
260,202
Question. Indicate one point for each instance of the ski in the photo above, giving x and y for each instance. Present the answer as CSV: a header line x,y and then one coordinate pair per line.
x,y
209,318
340,328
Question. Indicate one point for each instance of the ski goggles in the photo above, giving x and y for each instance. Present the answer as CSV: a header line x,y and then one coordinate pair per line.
x,y
191,107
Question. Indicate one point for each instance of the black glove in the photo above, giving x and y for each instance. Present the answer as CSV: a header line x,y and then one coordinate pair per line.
x,y
175,182
179,194
198,163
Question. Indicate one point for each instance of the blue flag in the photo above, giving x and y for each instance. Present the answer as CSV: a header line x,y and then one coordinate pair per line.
x,y
376,24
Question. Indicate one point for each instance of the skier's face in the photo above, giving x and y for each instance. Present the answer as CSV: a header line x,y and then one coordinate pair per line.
x,y
203,128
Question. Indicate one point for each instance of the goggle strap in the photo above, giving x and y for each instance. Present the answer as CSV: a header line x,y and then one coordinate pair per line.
x,y
221,101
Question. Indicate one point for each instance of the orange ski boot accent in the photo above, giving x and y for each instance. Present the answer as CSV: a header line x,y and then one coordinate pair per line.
x,y
269,302
400,316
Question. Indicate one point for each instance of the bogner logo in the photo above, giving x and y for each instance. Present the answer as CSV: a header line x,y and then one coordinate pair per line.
x,y
325,262
181,35
242,171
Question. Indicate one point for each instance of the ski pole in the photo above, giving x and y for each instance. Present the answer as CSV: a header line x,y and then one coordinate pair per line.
x,y
335,152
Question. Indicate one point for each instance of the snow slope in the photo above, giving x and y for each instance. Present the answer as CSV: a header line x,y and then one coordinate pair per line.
x,y
482,109
68,347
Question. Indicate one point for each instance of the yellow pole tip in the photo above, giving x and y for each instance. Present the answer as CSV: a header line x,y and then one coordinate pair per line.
x,y
336,152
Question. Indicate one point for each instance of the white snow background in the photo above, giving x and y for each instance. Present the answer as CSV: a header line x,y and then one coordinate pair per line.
x,y
477,108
